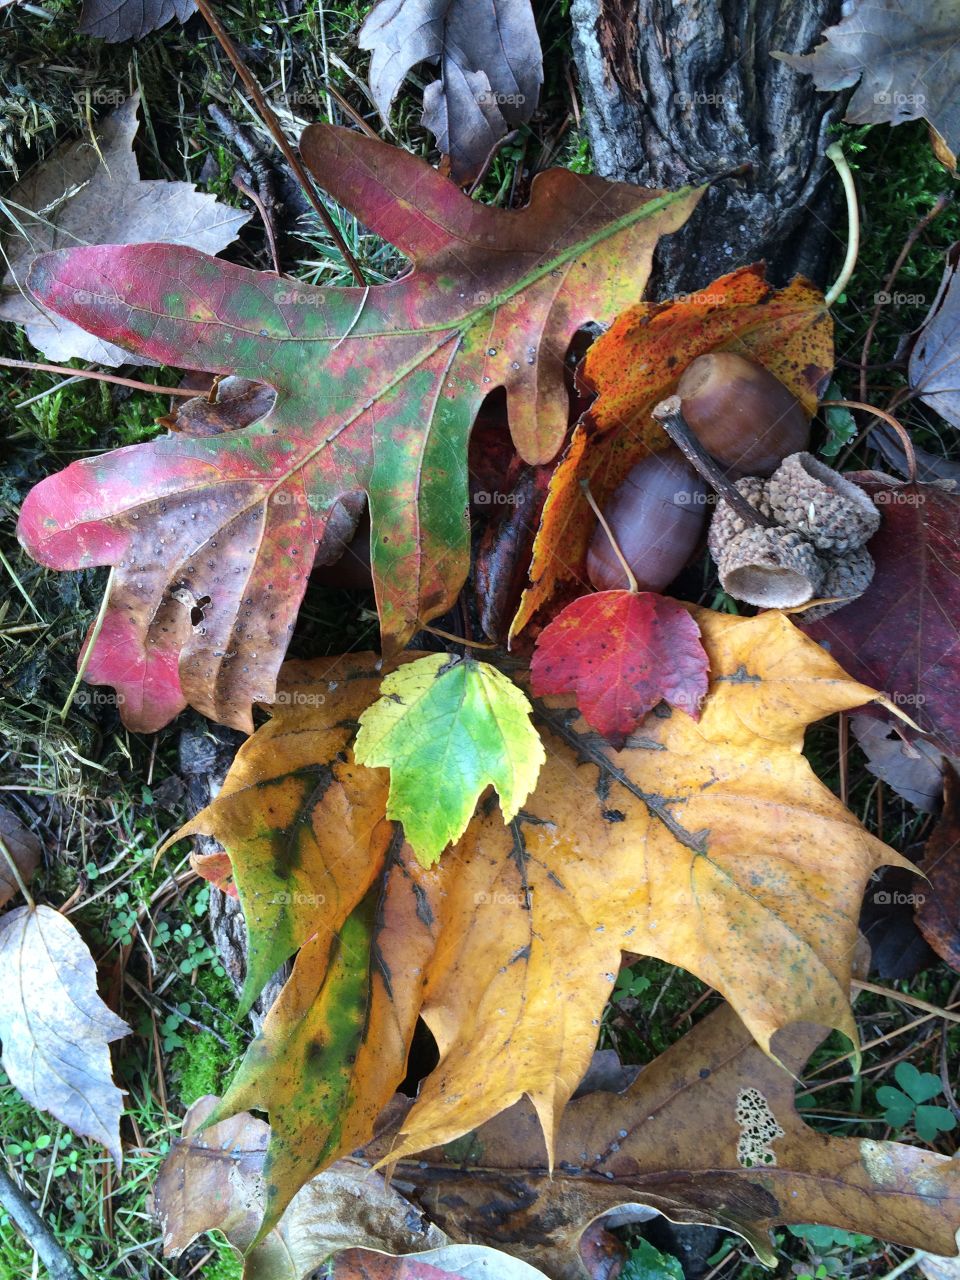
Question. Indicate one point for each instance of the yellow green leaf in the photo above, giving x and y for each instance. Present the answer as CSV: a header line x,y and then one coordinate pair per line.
x,y
447,728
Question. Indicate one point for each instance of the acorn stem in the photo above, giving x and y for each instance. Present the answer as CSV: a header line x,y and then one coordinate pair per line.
x,y
632,585
670,417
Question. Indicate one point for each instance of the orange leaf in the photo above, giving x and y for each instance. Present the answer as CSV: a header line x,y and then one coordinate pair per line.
x,y
636,364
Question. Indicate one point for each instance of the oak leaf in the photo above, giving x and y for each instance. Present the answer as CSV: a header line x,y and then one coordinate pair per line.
x,y
637,363
491,69
708,1133
620,653
903,59
377,390
94,195
705,844
903,634
55,1050
448,728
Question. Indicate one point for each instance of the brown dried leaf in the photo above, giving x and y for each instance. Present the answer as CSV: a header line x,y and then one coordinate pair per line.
x,y
23,847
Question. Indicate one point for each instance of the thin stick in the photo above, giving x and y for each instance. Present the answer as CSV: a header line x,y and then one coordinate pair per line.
x,y
87,653
906,1265
835,153
670,417
94,373
35,1231
904,999
900,429
448,635
15,872
632,584
261,208
279,137
941,203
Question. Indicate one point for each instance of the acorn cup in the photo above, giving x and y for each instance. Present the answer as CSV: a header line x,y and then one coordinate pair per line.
x,y
771,568
831,512
846,577
744,417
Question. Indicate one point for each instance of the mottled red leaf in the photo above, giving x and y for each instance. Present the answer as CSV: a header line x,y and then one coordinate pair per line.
x,y
212,538
621,652
902,636
938,911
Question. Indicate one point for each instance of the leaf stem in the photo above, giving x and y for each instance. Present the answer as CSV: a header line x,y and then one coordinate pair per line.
x,y
15,872
94,373
632,585
91,641
835,153
898,426
670,417
279,137
461,640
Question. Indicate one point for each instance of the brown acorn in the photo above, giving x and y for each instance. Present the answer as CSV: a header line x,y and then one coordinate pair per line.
x,y
743,416
657,516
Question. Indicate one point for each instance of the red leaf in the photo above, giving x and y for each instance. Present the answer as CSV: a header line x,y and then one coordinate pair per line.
x,y
902,636
621,652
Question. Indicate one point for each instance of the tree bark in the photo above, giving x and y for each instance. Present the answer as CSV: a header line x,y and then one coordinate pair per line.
x,y
679,91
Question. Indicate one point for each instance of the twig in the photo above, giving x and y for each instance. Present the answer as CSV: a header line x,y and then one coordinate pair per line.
x,y
279,137
941,203
906,1265
670,417
94,373
35,1231
835,153
265,218
905,999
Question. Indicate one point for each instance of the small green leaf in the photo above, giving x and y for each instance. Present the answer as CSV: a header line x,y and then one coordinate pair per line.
x,y
841,427
446,728
921,1086
930,1121
898,1108
647,1263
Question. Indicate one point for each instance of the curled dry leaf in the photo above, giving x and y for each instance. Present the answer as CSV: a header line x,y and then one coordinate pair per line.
x,y
902,635
637,363
491,69
20,844
213,1180
55,1049
708,1133
377,390
705,844
79,198
934,366
620,653
904,60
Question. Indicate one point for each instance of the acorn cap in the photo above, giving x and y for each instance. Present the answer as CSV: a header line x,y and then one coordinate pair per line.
x,y
727,523
847,576
773,568
830,511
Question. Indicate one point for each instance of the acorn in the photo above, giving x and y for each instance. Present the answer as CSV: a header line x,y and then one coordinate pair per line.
x,y
771,568
657,516
743,416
